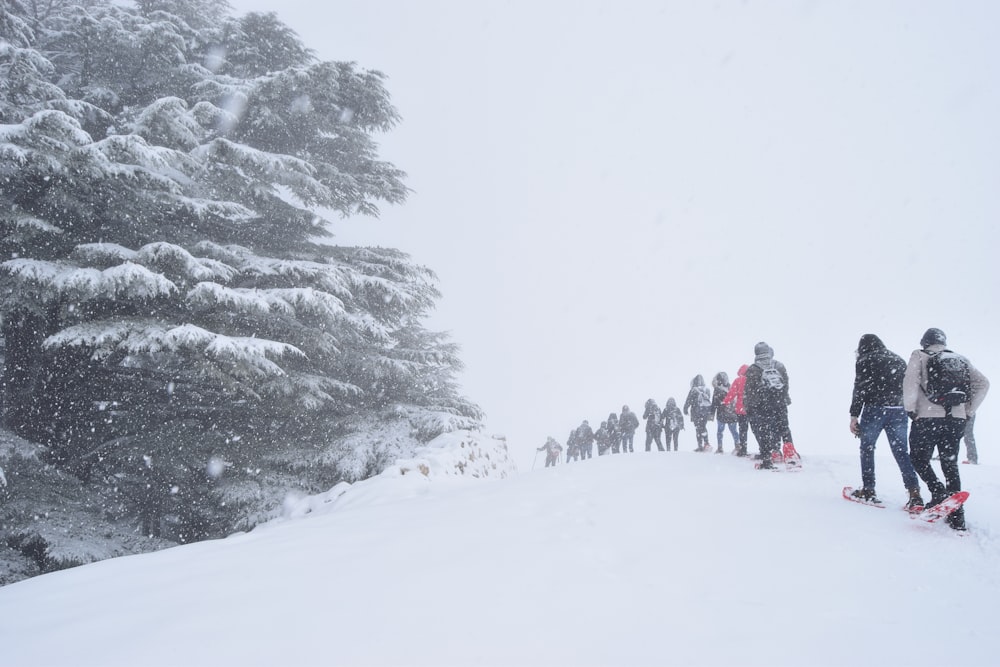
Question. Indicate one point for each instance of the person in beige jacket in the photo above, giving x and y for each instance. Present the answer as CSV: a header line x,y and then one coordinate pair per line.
x,y
935,426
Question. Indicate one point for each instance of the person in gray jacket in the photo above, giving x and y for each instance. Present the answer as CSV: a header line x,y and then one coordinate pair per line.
x,y
937,426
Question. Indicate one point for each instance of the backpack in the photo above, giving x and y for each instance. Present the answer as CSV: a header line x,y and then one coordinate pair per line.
x,y
704,397
948,382
770,377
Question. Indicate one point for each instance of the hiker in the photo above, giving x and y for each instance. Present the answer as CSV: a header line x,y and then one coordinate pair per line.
x,y
878,401
699,406
552,451
941,390
971,455
766,398
725,413
603,439
734,397
614,434
627,424
585,440
653,425
572,447
673,422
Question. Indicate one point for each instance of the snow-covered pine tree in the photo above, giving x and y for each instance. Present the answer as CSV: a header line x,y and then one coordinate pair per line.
x,y
178,325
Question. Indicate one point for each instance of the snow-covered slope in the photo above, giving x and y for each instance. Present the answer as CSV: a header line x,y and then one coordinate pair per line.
x,y
643,559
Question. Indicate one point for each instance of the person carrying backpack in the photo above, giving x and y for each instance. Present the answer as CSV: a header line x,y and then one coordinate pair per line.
x,y
941,390
627,425
878,401
585,440
614,434
603,439
572,447
766,398
734,397
725,413
699,406
673,422
653,425
552,450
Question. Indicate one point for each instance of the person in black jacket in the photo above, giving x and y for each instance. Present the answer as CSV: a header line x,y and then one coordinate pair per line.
x,y
766,399
585,440
878,402
673,422
653,425
699,406
627,424
614,434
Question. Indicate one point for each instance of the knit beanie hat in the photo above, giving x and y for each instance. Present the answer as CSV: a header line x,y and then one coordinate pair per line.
x,y
762,351
933,336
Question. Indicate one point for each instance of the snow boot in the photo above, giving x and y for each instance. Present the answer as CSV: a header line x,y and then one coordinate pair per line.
x,y
867,495
915,503
936,498
719,450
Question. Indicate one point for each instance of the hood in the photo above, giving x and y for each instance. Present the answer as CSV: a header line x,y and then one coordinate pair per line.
x,y
869,343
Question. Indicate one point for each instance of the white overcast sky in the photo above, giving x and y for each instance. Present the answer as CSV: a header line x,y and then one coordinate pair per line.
x,y
617,196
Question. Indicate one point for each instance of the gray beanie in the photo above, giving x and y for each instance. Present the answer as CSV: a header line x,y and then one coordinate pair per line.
x,y
933,336
762,349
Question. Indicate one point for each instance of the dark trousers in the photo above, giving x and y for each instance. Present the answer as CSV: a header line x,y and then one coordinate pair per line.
x,y
768,431
970,440
944,433
744,424
672,436
627,439
652,435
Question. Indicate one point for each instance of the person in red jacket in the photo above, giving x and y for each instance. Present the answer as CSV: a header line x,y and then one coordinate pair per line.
x,y
735,395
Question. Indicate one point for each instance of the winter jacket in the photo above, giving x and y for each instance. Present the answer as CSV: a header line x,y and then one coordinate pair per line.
x,y
878,376
672,414
603,439
585,436
757,397
613,433
652,416
735,393
693,404
551,447
916,402
628,422
725,413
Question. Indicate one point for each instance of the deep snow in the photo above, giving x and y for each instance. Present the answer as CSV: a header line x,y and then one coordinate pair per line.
x,y
643,559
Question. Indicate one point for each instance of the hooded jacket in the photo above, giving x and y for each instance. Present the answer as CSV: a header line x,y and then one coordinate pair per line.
x,y
735,393
693,402
759,399
916,402
878,376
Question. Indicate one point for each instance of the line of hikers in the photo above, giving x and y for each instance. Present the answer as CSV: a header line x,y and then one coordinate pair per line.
x,y
934,395
758,399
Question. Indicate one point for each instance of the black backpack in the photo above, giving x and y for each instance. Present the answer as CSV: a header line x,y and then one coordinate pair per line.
x,y
770,377
948,382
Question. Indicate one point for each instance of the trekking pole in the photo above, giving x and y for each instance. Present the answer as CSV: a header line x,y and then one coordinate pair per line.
x,y
534,460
